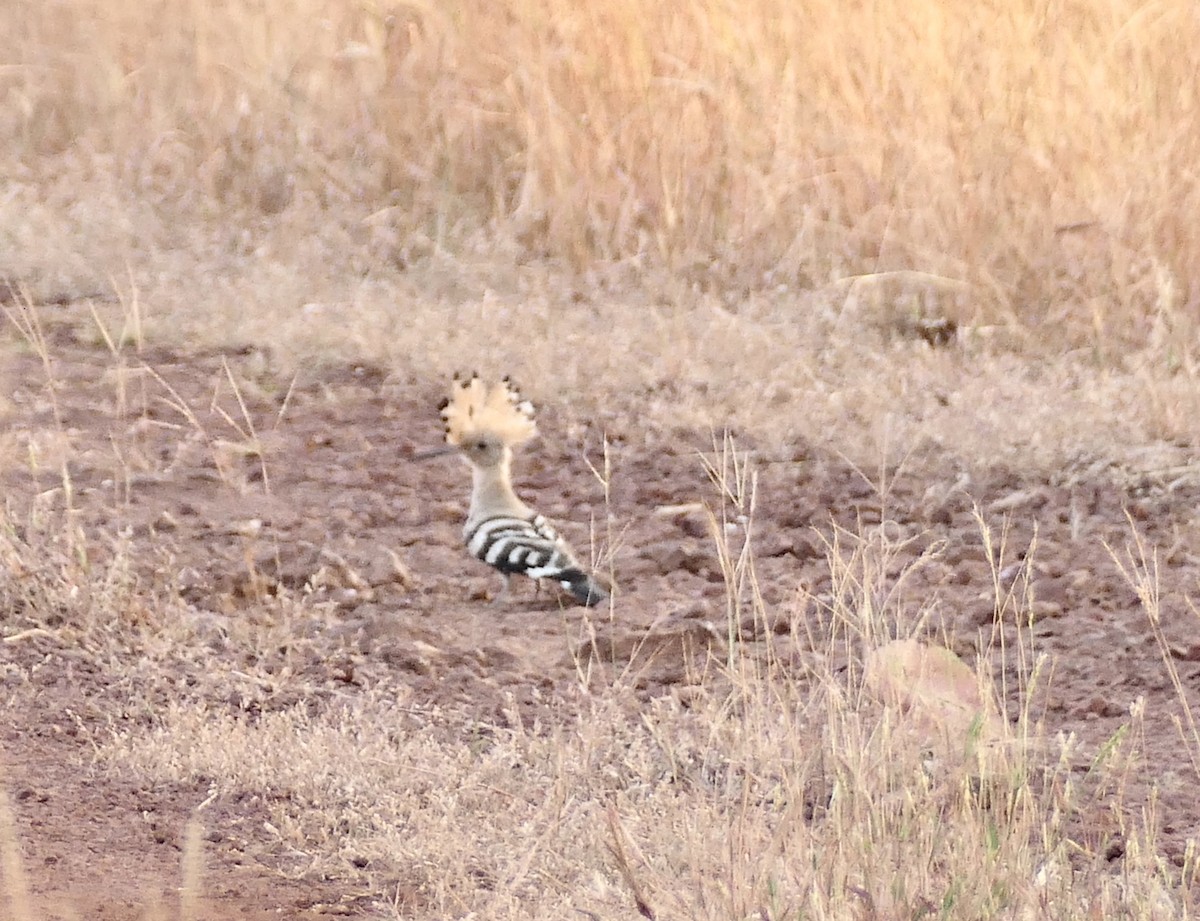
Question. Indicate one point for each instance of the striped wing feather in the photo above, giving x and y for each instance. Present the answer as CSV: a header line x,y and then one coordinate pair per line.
x,y
530,546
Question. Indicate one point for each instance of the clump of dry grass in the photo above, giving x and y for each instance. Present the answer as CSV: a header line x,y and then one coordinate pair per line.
x,y
1006,162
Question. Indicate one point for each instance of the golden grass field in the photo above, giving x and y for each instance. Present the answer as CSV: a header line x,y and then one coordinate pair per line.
x,y
231,230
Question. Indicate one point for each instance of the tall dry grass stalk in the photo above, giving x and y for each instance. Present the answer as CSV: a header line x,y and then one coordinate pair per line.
x,y
1028,160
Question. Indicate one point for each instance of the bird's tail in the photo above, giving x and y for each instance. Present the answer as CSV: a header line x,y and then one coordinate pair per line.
x,y
585,589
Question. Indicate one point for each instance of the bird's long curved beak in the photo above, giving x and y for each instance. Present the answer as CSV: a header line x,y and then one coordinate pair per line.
x,y
433,452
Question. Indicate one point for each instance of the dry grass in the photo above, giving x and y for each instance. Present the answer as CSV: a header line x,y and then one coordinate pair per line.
x,y
727,214
1016,163
767,792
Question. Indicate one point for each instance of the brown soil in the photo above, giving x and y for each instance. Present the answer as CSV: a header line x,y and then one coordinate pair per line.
x,y
347,518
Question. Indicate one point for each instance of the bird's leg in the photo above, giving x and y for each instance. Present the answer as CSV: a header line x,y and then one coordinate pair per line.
x,y
505,591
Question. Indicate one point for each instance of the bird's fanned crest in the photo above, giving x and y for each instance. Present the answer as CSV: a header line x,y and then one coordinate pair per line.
x,y
474,410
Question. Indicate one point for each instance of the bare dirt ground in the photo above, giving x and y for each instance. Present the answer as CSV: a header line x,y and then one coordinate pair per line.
x,y
321,517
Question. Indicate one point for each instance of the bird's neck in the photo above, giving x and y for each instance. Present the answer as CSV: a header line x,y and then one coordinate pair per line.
x,y
492,492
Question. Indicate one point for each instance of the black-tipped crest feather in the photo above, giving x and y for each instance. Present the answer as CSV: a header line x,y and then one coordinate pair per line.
x,y
475,410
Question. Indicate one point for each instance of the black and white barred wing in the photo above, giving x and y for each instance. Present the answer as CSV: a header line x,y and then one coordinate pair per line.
x,y
546,530
519,545
530,546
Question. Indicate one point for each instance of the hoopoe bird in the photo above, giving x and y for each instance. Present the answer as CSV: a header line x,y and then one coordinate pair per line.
x,y
484,425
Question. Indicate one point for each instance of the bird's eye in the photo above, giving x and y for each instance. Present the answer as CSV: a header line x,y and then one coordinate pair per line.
x,y
481,445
